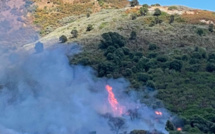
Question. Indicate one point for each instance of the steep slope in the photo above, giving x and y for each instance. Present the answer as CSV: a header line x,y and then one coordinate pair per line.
x,y
177,59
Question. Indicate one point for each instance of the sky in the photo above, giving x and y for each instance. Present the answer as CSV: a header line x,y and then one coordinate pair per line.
x,y
199,4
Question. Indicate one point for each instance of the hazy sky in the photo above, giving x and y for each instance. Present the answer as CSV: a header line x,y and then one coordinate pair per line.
x,y
200,4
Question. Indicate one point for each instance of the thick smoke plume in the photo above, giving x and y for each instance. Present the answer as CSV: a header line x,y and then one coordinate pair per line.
x,y
41,93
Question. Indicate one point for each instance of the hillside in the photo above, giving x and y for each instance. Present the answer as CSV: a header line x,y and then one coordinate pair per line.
x,y
176,59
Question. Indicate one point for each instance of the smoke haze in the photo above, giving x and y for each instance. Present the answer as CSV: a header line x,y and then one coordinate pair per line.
x,y
41,93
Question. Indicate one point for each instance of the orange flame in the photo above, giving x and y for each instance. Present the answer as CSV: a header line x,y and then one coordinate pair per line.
x,y
179,129
116,108
158,113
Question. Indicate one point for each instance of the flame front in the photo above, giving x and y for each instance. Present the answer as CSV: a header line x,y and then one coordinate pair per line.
x,y
116,108
179,129
158,113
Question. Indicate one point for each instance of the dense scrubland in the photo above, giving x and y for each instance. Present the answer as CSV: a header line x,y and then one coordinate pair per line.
x,y
173,54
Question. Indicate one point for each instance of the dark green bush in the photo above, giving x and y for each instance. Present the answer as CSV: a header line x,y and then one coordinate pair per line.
x,y
126,50
74,33
143,11
152,47
152,55
185,57
119,53
210,67
162,58
63,39
142,77
200,31
211,56
169,126
171,19
110,56
157,12
89,27
113,39
211,27
133,35
176,65
196,55
150,84
134,3
110,49
194,61
134,16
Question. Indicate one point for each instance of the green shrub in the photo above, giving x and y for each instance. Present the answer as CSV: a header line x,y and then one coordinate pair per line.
x,y
152,47
152,55
211,27
126,50
134,16
88,15
200,31
196,55
110,49
133,35
150,84
110,56
142,77
176,65
128,72
211,56
119,52
89,27
172,8
210,67
185,57
134,3
162,58
194,61
112,38
157,12
171,19
63,39
169,126
143,11
74,33
145,5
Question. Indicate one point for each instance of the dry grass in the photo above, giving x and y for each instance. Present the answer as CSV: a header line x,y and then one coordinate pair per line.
x,y
199,15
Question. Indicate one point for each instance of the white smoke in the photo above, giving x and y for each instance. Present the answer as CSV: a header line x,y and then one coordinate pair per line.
x,y
42,94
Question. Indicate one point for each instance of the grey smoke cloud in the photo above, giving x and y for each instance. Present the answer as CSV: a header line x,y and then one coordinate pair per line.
x,y
41,94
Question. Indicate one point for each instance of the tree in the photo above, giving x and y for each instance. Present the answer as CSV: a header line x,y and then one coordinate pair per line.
x,y
172,18
134,16
145,5
134,3
169,126
88,15
200,31
211,27
143,11
210,67
152,47
74,33
157,12
133,35
63,39
176,65
117,124
89,27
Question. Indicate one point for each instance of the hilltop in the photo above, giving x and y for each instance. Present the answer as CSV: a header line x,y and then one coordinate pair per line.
x,y
171,51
